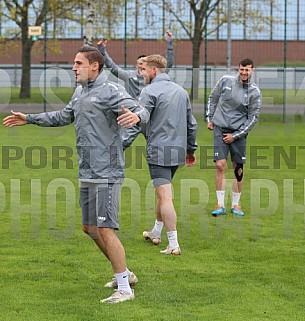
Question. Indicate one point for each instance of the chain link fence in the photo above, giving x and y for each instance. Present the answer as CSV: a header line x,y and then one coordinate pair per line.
x,y
271,32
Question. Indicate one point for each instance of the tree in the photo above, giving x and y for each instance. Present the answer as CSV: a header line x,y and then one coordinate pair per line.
x,y
30,11
202,11
109,15
208,16
89,31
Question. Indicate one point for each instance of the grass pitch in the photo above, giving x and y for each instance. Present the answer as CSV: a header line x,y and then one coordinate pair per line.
x,y
231,268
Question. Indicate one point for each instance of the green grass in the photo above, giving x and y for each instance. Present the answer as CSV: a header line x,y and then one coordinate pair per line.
x,y
53,95
231,268
63,95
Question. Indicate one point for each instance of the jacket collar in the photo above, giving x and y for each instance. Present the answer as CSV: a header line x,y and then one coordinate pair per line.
x,y
101,78
238,80
161,77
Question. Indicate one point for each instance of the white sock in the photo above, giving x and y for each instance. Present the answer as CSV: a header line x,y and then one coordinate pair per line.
x,y
123,283
235,198
172,239
157,229
128,272
220,198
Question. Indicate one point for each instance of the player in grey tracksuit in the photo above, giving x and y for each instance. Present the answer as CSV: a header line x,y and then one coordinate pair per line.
x,y
171,141
171,127
93,109
233,110
133,79
96,111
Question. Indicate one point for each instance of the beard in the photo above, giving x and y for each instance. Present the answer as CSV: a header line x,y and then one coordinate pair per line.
x,y
147,80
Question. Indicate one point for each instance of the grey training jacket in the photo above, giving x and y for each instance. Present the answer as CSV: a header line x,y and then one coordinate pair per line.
x,y
234,105
172,128
94,109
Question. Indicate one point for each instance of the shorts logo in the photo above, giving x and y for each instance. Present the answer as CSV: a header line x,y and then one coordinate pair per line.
x,y
101,218
216,154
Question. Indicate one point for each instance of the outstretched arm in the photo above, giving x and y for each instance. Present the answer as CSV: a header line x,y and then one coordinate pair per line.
x,y
109,63
16,119
48,119
169,51
102,44
128,118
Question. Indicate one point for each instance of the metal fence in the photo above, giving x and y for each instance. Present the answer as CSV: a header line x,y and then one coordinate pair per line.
x,y
279,24
63,76
271,32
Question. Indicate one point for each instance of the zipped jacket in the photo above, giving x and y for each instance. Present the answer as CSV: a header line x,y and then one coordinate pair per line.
x,y
94,109
234,106
172,128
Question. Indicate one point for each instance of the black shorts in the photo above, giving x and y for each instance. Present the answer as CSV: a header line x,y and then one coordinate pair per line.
x,y
100,204
162,175
237,149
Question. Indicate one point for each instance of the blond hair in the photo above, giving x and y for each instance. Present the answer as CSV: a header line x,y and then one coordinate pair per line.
x,y
156,61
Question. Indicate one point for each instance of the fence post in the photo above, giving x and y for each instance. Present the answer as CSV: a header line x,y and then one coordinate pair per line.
x,y
285,62
45,6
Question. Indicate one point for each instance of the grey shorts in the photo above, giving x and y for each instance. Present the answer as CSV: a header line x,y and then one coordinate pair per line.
x,y
100,204
237,149
162,175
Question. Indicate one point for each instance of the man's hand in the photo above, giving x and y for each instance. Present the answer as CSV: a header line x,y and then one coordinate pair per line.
x,y
190,160
210,125
168,36
128,118
16,119
228,138
102,44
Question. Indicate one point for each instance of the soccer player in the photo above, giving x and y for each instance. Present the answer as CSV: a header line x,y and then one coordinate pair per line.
x,y
233,109
171,141
95,110
133,79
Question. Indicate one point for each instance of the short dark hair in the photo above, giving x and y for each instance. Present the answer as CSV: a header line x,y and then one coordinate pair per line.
x,y
93,55
141,56
246,61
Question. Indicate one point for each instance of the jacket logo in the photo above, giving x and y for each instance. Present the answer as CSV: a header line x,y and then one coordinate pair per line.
x,y
93,99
